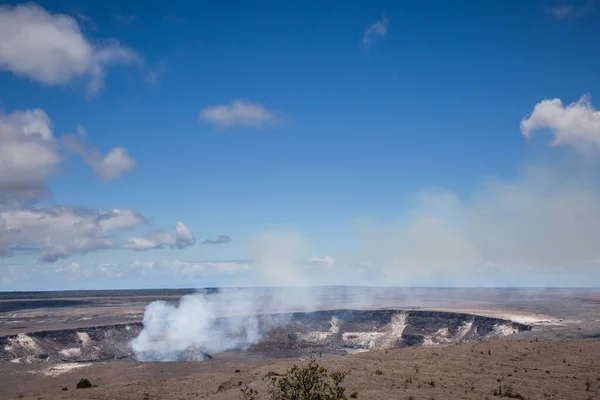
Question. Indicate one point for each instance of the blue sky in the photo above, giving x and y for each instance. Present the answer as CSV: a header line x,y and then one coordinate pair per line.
x,y
357,123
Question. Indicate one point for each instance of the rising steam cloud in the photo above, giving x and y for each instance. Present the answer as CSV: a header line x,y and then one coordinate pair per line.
x,y
203,323
545,223
191,329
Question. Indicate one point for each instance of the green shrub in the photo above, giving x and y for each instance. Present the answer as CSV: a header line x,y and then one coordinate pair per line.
x,y
84,383
248,393
310,382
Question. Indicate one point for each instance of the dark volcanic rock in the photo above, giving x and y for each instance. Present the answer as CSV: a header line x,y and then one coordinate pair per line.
x,y
289,335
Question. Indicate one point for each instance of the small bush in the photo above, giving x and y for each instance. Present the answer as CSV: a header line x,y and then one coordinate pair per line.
x,y
248,393
354,395
84,383
507,391
307,383
378,372
588,383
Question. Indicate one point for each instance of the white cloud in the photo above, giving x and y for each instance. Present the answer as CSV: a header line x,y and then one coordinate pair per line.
x,y
238,113
205,268
109,166
57,231
120,219
141,244
374,32
29,153
51,48
183,238
322,261
114,164
577,124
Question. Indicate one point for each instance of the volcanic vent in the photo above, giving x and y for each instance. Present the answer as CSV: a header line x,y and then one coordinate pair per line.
x,y
336,332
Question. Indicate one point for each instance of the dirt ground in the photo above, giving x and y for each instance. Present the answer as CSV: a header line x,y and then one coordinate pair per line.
x,y
566,370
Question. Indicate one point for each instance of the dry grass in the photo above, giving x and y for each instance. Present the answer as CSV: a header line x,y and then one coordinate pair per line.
x,y
532,370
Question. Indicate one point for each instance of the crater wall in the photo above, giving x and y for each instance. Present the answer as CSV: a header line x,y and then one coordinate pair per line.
x,y
337,332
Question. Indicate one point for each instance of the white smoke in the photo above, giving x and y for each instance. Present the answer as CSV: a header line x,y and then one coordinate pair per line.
x,y
172,332
211,323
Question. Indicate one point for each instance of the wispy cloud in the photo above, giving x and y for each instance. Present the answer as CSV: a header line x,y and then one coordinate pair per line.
x,y
322,261
374,33
571,9
182,239
220,240
238,113
109,166
154,74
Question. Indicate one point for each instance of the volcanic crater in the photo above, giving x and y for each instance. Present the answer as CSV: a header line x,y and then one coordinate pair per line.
x,y
301,334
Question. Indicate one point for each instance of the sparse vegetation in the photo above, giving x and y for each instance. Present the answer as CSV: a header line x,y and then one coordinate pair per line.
x,y
310,382
84,383
248,393
507,391
588,384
